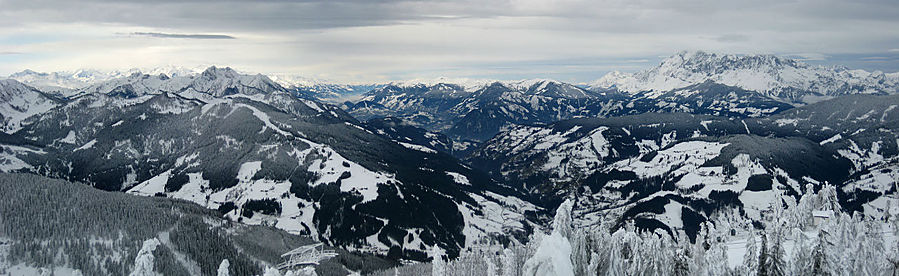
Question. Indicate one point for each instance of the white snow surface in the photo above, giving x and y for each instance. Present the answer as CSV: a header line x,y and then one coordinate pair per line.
x,y
417,147
19,102
459,178
73,80
223,268
768,74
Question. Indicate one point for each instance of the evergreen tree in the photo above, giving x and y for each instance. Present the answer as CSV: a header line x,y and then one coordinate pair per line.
x,y
872,249
820,262
751,258
776,261
508,262
802,215
580,252
763,257
593,268
716,259
681,263
698,263
801,263
617,263
438,265
828,198
491,267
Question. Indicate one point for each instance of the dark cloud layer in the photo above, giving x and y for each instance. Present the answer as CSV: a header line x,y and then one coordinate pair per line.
x,y
187,36
615,15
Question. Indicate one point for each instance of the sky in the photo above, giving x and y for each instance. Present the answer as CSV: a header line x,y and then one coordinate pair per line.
x,y
357,41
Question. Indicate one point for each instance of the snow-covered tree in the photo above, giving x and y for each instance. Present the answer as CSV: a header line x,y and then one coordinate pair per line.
x,y
775,259
143,263
491,267
508,260
870,249
802,216
617,263
751,257
223,268
801,261
821,264
562,220
763,256
716,259
828,198
580,252
593,267
698,250
438,265
553,256
271,271
681,263
844,246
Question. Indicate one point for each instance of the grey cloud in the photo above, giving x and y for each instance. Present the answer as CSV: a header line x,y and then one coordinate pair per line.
x,y
732,38
215,15
876,58
9,53
187,36
644,16
808,56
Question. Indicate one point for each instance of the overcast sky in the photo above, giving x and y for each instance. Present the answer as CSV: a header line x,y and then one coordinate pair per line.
x,y
377,40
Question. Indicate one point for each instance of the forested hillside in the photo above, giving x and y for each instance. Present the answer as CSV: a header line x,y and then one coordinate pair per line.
x,y
49,225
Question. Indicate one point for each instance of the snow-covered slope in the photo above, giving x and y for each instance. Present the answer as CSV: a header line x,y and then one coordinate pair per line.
x,y
676,170
778,77
250,148
18,102
64,82
68,80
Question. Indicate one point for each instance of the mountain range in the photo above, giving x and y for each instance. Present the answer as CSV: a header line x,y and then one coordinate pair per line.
x,y
675,170
400,168
780,78
254,150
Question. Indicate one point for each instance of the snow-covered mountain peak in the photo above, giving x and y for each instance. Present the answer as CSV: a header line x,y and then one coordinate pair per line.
x,y
288,80
711,63
23,73
212,82
173,71
19,102
466,84
65,82
218,72
10,87
219,82
553,88
779,77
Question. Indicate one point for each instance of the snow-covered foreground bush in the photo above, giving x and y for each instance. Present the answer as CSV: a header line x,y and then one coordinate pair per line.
x,y
812,237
